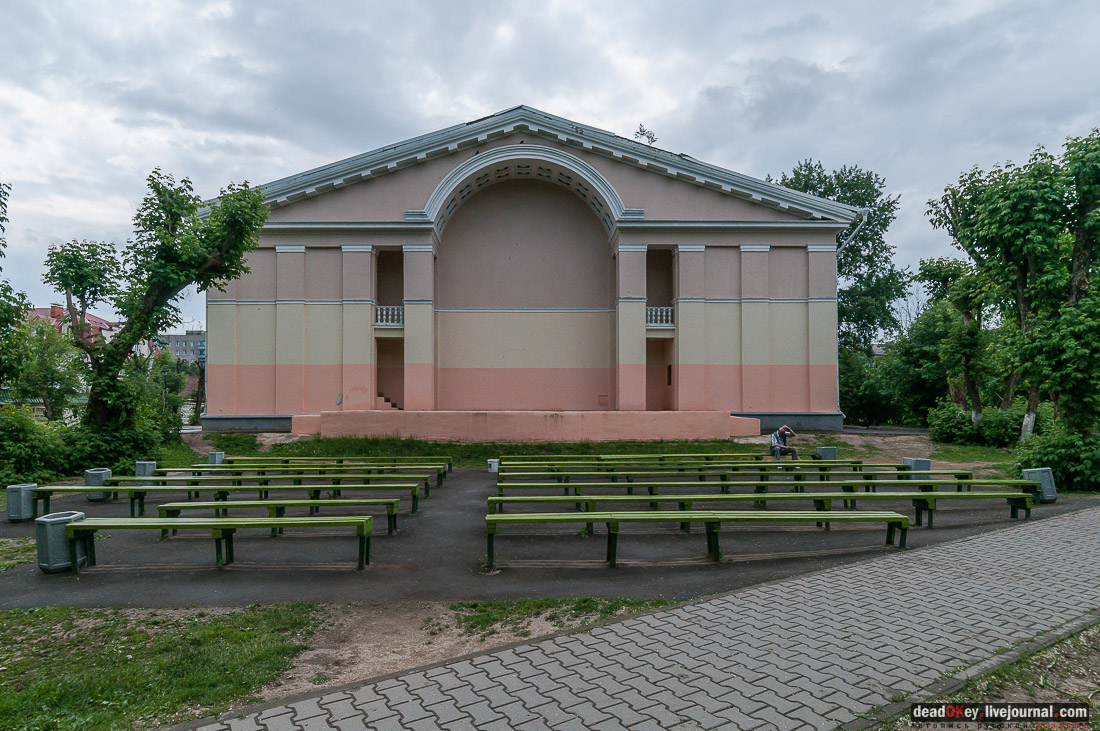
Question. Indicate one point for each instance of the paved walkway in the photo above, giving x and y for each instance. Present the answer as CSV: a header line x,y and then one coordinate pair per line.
x,y
814,651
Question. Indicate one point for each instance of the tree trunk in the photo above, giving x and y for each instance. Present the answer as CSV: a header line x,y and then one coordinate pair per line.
x,y
1027,429
1010,390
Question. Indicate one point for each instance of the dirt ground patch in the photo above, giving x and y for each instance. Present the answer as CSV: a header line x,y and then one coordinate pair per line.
x,y
366,640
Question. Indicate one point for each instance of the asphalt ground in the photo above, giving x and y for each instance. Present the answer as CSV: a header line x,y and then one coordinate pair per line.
x,y
437,554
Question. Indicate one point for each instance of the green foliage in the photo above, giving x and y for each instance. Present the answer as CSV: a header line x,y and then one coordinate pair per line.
x,y
12,303
1032,232
102,670
173,248
998,427
865,396
1074,458
49,367
29,450
910,374
869,281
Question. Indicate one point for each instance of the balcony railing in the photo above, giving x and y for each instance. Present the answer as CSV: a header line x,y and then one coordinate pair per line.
x,y
389,316
659,317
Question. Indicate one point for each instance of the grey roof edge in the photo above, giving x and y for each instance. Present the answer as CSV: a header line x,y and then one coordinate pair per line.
x,y
448,140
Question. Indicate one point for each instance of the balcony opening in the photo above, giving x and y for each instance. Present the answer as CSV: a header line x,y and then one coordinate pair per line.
x,y
658,287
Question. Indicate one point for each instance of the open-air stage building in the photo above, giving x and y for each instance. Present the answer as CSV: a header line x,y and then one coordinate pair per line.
x,y
525,277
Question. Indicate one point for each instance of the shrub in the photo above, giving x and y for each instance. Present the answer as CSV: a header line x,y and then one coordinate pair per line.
x,y
29,451
1073,458
948,423
239,443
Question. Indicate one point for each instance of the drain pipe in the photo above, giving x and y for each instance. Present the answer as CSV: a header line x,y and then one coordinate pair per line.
x,y
864,214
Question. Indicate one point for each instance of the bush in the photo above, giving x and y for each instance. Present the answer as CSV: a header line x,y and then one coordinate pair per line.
x,y
29,450
950,424
238,443
1073,458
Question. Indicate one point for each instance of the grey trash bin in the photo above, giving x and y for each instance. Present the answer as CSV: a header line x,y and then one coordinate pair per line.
x,y
53,547
914,463
215,457
1048,493
144,469
826,453
20,502
97,477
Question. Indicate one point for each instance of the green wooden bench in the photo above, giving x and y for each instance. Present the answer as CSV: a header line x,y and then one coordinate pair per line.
x,y
82,532
279,471
922,501
512,458
138,493
725,473
276,507
711,519
263,481
816,465
448,462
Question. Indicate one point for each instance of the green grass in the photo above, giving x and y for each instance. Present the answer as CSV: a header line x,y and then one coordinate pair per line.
x,y
235,443
178,454
489,617
15,552
1056,674
66,668
467,454
970,453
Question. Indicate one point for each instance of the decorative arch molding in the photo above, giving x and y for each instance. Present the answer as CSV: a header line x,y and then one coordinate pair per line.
x,y
519,162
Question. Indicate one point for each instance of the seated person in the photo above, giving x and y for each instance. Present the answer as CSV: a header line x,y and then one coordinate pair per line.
x,y
779,442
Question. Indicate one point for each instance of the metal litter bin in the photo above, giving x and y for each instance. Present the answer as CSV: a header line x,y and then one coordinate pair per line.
x,y
53,547
20,502
1048,493
215,457
914,463
97,477
826,453
144,469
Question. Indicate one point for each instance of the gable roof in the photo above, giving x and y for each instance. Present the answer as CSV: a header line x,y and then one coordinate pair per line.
x,y
391,158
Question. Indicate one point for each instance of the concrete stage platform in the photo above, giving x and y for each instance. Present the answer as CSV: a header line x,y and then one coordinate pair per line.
x,y
528,426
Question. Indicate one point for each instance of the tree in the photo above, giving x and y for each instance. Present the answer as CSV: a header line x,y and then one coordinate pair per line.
x,y
644,133
962,352
13,304
869,283
1032,232
176,244
49,367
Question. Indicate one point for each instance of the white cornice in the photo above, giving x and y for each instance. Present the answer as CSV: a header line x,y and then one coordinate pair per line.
x,y
756,247
632,247
365,248
525,120
400,227
290,248
728,226
412,248
821,247
690,248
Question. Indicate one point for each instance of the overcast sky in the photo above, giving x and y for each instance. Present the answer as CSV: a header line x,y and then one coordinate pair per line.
x,y
94,95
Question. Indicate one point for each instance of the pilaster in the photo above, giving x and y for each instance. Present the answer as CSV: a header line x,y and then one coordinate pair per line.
x,y
290,262
630,327
755,328
689,361
419,302
358,363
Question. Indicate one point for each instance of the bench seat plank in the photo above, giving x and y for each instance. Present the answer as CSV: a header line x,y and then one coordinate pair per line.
x,y
711,520
276,507
221,529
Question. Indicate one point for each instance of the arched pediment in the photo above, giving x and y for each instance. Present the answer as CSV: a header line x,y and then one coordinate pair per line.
x,y
519,162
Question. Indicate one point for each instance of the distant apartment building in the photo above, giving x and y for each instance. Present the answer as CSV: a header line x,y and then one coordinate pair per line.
x,y
191,346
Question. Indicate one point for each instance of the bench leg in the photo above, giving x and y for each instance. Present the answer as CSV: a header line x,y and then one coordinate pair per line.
x,y
920,517
612,546
364,552
427,488
218,551
46,505
416,502
1013,511
890,528
901,541
714,553
391,523
489,551
89,547
931,513
1027,513
74,564
229,546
